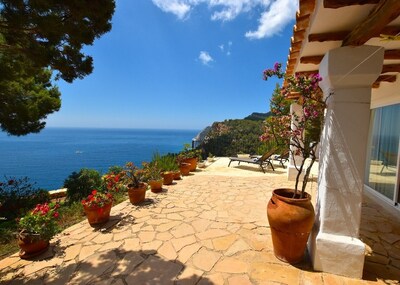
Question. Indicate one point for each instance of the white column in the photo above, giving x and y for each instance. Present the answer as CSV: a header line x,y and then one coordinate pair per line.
x,y
347,76
291,170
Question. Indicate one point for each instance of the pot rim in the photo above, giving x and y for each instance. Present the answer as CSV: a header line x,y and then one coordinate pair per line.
x,y
286,194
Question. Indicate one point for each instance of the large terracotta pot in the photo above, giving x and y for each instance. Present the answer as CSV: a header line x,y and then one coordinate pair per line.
x,y
98,215
193,163
168,177
137,195
291,220
156,185
31,245
184,168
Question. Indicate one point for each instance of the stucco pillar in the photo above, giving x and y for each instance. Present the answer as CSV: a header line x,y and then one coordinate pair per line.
x,y
347,75
295,109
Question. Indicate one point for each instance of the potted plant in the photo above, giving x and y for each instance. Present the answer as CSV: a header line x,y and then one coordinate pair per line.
x,y
112,181
169,167
97,207
290,212
37,228
152,174
133,179
190,155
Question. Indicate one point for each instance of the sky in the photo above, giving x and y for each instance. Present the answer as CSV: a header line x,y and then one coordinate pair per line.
x,y
179,64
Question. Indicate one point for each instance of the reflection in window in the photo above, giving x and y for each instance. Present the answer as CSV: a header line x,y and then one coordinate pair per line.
x,y
383,150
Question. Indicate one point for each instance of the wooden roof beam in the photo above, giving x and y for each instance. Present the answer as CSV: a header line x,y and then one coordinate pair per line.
x,y
382,14
326,37
298,35
295,46
385,69
334,4
339,36
386,78
302,22
391,68
315,59
306,7
393,54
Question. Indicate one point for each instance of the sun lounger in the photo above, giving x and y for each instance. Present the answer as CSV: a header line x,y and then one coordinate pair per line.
x,y
282,158
261,161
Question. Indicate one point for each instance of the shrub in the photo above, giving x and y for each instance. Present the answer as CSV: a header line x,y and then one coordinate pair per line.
x,y
80,185
18,196
115,169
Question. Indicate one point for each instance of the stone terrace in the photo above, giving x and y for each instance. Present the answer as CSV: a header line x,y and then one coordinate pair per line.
x,y
209,228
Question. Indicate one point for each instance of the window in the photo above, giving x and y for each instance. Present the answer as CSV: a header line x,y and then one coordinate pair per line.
x,y
383,151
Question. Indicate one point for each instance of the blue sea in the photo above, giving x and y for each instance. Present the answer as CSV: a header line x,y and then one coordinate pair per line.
x,y
49,157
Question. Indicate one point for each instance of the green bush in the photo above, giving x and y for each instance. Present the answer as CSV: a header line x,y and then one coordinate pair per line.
x,y
18,196
80,185
116,169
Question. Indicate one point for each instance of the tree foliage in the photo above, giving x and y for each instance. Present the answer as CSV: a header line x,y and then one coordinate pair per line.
x,y
52,33
25,99
38,37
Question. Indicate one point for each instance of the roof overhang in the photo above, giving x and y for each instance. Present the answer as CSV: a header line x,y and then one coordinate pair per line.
x,y
322,25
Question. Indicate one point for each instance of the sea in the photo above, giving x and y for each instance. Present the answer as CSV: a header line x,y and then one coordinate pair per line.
x,y
49,157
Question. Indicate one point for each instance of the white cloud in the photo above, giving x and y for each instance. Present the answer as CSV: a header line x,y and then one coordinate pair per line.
x,y
277,13
274,20
221,47
205,58
178,7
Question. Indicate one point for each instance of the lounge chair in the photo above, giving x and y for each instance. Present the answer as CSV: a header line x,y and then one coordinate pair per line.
x,y
282,158
261,161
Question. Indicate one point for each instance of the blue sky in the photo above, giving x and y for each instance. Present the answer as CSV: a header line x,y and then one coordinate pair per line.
x,y
179,64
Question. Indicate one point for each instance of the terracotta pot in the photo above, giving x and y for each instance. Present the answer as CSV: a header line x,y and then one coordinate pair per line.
x,y
291,221
184,168
193,163
98,215
168,177
177,175
137,195
156,185
31,245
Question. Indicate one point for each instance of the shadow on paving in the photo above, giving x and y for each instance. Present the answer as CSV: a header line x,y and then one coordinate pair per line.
x,y
117,267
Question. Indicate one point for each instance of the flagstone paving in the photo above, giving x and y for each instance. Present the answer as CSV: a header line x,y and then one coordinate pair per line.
x,y
209,228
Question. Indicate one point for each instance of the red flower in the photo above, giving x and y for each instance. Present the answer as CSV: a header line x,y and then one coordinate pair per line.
x,y
94,192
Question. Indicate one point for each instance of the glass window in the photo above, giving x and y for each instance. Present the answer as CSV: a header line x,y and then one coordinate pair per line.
x,y
383,150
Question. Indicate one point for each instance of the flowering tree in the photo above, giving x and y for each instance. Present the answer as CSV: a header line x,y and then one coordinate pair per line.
x,y
302,131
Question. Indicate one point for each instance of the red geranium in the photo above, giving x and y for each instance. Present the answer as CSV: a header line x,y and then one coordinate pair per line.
x,y
97,199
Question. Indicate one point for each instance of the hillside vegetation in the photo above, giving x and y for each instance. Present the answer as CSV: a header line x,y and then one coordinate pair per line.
x,y
231,137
